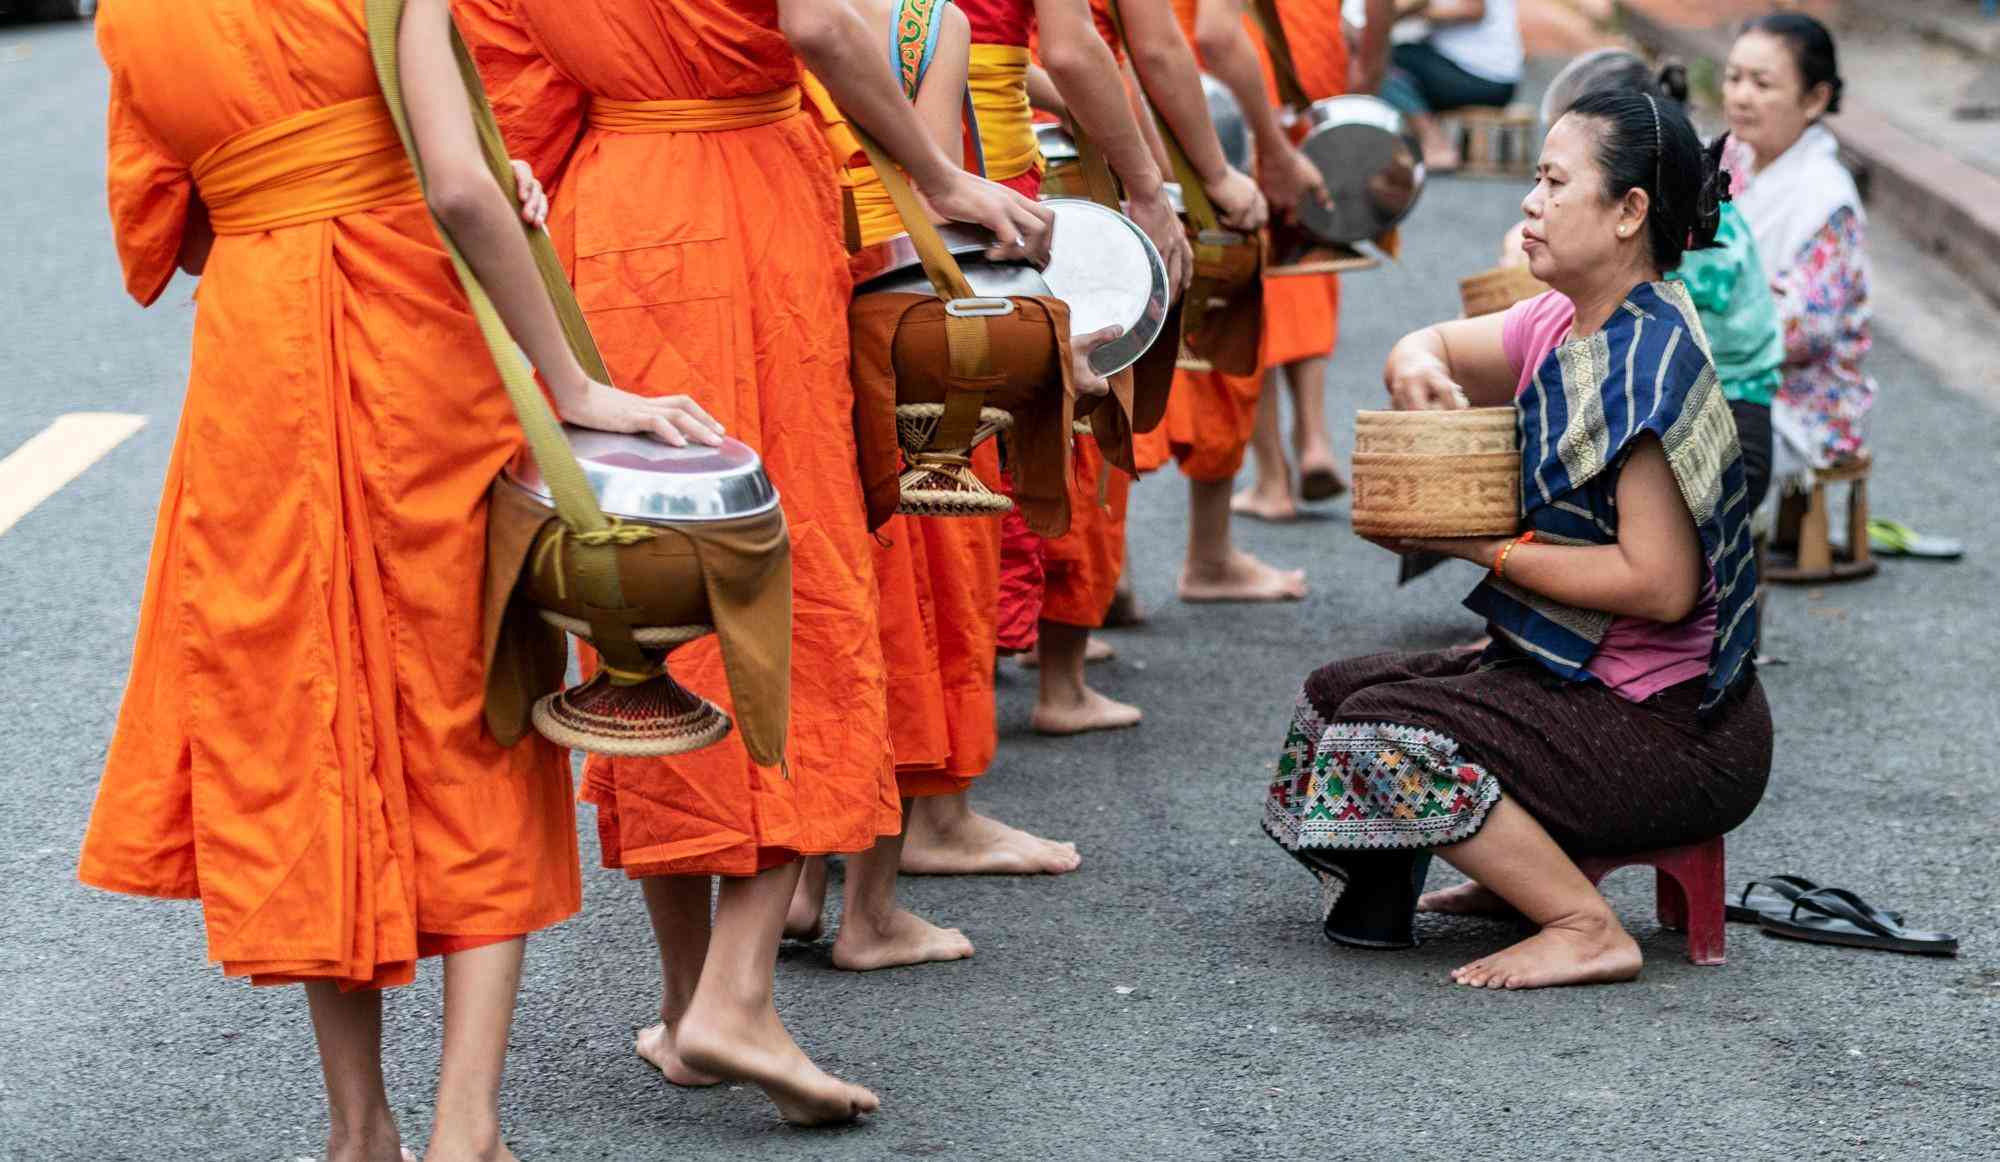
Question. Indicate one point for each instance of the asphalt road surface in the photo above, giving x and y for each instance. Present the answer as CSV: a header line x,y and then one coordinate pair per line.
x,y
1174,998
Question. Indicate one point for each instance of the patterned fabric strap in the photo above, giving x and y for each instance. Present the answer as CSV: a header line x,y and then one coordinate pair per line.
x,y
1646,370
913,37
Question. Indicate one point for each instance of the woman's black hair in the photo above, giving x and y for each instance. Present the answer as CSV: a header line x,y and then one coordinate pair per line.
x,y
1647,143
1812,50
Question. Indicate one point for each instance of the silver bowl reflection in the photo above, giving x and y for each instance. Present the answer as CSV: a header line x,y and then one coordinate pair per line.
x,y
638,478
1230,125
1373,166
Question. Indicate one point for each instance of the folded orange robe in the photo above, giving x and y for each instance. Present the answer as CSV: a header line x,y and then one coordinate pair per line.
x,y
301,744
709,262
1211,416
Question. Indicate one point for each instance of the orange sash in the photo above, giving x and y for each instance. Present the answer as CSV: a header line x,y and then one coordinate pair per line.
x,y
306,168
694,115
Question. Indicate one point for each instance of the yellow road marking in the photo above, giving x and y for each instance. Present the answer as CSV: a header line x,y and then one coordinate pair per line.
x,y
57,455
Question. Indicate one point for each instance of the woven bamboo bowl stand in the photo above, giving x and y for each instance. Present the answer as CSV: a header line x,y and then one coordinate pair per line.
x,y
1436,473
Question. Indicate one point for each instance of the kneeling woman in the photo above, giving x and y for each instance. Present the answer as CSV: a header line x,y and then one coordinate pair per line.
x,y
1618,709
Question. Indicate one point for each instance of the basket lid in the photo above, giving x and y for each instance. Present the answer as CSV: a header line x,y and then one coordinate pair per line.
x,y
638,478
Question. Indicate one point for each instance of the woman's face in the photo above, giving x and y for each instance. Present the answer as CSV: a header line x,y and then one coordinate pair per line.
x,y
1573,231
1764,95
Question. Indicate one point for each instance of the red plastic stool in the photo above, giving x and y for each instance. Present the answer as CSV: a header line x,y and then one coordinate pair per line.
x,y
1688,891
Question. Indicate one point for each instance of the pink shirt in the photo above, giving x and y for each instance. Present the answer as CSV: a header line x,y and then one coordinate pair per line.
x,y
1637,658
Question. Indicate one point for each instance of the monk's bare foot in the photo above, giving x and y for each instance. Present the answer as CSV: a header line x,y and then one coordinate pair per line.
x,y
1095,650
753,1046
488,1149
805,916
975,845
1269,501
1467,899
1242,578
864,944
378,1142
655,1043
1589,949
1092,711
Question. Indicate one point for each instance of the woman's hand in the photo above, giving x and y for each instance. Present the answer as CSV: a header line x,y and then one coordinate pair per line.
x,y
534,200
1086,380
1155,216
1021,227
1481,551
1423,383
671,419
1238,202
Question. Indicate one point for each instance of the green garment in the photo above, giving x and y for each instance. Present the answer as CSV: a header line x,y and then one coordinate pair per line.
x,y
1734,303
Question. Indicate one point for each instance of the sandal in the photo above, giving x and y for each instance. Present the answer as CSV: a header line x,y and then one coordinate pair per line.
x,y
1321,484
1889,538
1752,906
1838,916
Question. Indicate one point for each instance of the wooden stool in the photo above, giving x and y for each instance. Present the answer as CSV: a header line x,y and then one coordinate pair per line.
x,y
1687,891
1804,522
1494,142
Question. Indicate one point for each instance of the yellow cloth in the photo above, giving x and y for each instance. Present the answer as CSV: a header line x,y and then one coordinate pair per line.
x,y
309,167
874,213
998,77
694,115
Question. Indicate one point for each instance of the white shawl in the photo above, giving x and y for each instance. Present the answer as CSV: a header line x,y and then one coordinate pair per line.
x,y
1793,198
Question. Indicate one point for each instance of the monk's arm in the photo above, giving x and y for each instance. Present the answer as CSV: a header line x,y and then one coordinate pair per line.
x,y
1450,365
1087,75
1167,72
1042,92
474,210
941,98
846,56
1653,571
1227,50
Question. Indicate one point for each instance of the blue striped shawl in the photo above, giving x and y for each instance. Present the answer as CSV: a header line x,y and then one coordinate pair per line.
x,y
1647,370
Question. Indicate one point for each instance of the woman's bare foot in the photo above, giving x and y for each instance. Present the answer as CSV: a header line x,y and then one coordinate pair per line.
x,y
1094,651
1587,949
805,917
1093,711
754,1047
1241,578
1268,501
1467,899
975,845
655,1043
863,945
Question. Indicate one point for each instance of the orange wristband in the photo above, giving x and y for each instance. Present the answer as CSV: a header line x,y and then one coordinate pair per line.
x,y
1500,562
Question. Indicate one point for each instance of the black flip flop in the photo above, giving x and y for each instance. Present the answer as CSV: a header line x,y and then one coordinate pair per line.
x,y
1752,905
1838,916
1320,484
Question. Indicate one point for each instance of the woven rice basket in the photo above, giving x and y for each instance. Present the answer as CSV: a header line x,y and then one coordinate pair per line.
x,y
1436,474
1497,289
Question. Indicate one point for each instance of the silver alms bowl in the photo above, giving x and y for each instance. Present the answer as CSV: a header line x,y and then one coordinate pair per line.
x,y
638,478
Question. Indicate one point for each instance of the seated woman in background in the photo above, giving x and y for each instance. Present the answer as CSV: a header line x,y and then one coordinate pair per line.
x,y
1802,205
1471,56
1618,708
1726,281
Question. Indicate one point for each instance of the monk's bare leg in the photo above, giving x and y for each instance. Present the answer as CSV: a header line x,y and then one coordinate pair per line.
x,y
1065,703
732,1029
944,836
480,985
1095,650
1216,570
874,932
348,1027
1580,941
805,919
1269,496
1312,440
678,908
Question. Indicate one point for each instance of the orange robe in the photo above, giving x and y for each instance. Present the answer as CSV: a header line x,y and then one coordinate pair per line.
x,y
1211,416
301,744
709,263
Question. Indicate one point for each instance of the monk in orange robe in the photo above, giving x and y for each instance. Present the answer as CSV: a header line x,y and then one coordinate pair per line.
x,y
302,746
696,208
1302,323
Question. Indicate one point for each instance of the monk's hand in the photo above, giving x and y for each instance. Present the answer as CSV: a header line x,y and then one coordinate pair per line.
x,y
1419,385
1289,178
1086,379
1021,227
670,419
1155,215
1238,202
528,189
